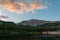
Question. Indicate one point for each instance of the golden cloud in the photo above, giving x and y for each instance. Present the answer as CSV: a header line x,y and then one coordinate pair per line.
x,y
21,5
24,6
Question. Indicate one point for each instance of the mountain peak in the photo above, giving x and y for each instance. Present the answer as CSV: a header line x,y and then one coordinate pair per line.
x,y
33,22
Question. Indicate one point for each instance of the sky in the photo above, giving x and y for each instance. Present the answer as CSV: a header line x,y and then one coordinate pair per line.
x,y
19,10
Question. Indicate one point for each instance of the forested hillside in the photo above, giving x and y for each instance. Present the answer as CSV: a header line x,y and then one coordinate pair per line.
x,y
12,30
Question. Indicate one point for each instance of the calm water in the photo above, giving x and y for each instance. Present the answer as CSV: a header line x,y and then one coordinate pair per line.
x,y
32,37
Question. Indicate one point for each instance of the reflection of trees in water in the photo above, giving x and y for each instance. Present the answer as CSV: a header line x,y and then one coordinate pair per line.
x,y
30,37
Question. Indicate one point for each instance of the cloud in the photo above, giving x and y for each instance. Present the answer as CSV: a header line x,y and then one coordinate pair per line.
x,y
2,17
24,6
20,6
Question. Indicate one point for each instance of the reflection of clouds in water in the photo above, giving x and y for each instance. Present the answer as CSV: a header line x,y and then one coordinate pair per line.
x,y
51,32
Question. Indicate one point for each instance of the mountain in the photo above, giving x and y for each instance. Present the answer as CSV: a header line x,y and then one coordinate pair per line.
x,y
55,24
6,24
33,22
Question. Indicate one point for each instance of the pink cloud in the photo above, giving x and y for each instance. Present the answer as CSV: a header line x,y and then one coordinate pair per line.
x,y
22,5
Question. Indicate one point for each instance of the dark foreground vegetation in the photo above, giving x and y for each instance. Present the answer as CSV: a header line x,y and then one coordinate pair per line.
x,y
11,31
